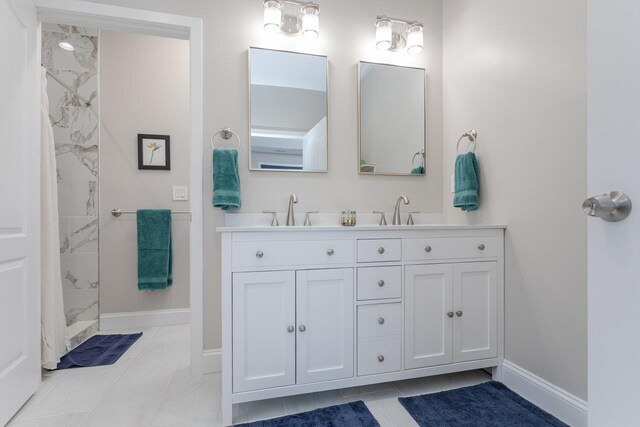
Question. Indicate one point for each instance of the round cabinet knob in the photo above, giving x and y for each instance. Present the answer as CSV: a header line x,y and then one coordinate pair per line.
x,y
381,283
381,320
450,314
302,328
290,329
481,246
459,313
381,250
330,252
427,248
259,254
381,358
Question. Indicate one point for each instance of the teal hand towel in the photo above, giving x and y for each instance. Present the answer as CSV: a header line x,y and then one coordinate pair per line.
x,y
467,182
418,171
226,180
154,249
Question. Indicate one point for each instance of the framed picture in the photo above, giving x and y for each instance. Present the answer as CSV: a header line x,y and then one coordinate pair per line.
x,y
153,152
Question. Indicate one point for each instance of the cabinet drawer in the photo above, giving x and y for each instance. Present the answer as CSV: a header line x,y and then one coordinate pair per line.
x,y
379,282
377,357
450,248
291,253
379,250
379,320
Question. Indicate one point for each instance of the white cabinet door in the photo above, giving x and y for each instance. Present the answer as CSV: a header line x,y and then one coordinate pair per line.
x,y
475,304
19,206
264,339
428,328
325,324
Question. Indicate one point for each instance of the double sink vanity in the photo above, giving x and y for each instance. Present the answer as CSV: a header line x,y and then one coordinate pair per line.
x,y
313,308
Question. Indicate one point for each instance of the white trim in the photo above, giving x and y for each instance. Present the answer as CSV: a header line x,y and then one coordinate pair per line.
x,y
145,319
212,361
118,18
558,402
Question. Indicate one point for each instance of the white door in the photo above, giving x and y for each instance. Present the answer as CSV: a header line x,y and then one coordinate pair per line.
x,y
264,339
614,248
325,317
19,206
428,325
314,147
475,324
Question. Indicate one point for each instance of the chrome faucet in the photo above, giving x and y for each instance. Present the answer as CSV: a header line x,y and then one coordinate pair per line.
x,y
291,221
396,213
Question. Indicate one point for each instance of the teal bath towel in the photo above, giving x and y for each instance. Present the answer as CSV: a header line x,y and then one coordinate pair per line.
x,y
226,181
154,249
418,171
467,182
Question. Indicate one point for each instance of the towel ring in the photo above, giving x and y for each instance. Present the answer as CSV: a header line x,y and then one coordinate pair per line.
x,y
419,153
471,135
225,133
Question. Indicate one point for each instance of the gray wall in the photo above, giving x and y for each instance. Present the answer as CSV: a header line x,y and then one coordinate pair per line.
x,y
144,88
516,71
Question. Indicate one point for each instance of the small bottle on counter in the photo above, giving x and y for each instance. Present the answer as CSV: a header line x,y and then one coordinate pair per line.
x,y
348,218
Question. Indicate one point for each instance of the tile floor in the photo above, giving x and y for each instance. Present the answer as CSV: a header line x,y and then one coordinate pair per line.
x,y
151,386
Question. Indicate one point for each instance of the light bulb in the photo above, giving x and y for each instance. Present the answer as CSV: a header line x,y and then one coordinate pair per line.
x,y
415,39
272,16
311,22
384,34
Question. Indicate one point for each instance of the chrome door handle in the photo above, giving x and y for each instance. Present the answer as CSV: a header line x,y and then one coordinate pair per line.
x,y
290,329
459,313
381,320
380,250
381,283
482,247
427,248
330,252
259,254
613,206
450,314
381,358
302,328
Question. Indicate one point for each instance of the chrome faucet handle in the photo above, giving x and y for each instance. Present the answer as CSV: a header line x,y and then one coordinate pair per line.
x,y
410,219
307,219
383,220
291,220
396,212
274,220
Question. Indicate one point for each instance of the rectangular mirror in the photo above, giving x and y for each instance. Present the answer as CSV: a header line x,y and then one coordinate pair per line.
x,y
392,121
288,117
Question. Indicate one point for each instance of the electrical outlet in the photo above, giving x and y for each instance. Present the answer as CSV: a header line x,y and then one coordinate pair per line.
x,y
180,192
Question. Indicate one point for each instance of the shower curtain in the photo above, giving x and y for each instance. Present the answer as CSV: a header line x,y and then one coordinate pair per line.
x,y
53,324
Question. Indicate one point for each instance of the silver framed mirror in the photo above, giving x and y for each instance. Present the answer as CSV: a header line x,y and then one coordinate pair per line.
x,y
288,112
392,122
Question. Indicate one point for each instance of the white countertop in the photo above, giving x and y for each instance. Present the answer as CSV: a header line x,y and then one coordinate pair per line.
x,y
262,228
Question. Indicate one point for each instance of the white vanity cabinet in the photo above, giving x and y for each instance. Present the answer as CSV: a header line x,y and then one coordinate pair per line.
x,y
307,309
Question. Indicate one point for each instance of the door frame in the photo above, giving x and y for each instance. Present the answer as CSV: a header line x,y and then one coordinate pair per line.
x,y
117,18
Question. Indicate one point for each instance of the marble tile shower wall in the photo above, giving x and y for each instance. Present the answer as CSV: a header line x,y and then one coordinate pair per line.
x,y
75,127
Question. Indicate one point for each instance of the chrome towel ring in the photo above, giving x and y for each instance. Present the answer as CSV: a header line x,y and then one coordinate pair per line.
x,y
471,135
225,133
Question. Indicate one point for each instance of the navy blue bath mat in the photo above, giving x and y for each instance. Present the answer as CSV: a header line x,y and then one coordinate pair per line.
x,y
353,414
98,350
489,404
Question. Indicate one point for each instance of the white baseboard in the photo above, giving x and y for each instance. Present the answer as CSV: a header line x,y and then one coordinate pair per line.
x,y
145,319
212,361
561,404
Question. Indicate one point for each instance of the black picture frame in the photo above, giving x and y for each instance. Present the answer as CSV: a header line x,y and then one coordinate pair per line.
x,y
142,137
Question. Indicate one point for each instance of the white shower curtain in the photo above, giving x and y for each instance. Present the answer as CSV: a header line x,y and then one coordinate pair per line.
x,y
53,323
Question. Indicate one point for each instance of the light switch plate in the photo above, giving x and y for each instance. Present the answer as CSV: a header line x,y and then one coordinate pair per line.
x,y
180,192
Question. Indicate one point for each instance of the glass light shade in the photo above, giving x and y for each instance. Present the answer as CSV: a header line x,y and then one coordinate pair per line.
x,y
415,39
384,34
310,22
66,46
272,16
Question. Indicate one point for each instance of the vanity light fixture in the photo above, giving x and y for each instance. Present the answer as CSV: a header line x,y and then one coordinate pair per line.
x,y
395,34
292,17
